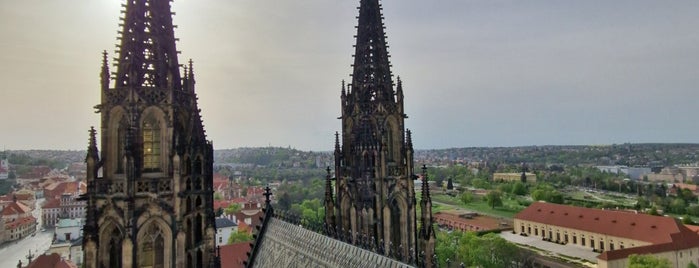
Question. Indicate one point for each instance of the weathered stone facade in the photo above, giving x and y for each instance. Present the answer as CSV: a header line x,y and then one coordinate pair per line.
x,y
374,196
149,196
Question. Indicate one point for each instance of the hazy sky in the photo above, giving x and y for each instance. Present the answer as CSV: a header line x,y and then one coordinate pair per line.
x,y
475,73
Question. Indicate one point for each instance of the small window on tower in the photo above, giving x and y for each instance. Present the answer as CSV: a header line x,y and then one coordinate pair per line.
x,y
151,144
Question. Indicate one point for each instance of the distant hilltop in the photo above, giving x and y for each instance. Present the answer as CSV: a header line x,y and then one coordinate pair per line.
x,y
628,154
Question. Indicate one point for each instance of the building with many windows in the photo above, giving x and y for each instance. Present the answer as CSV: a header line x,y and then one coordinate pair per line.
x,y
18,221
66,207
614,234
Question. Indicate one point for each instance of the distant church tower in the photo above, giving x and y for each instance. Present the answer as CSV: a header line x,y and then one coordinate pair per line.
x,y
150,191
374,196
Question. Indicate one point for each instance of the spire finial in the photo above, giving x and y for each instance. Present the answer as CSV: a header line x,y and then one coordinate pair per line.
x,y
92,144
371,77
409,138
147,49
267,194
104,75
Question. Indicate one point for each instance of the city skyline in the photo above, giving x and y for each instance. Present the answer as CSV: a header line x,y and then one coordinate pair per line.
x,y
475,73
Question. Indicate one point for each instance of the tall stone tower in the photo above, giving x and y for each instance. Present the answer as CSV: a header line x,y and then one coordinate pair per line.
x,y
149,196
374,196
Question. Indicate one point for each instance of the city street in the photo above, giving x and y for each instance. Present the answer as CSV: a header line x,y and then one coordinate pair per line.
x,y
12,252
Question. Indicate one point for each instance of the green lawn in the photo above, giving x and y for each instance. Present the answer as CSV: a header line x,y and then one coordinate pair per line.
x,y
509,208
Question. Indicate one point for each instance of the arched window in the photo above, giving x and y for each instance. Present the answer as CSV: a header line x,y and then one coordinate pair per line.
x,y
197,230
115,249
151,144
151,249
121,142
396,227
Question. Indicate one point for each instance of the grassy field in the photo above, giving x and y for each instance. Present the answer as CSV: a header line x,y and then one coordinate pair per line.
x,y
509,208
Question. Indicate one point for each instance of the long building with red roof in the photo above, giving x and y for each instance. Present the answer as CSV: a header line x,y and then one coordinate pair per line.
x,y
615,234
18,221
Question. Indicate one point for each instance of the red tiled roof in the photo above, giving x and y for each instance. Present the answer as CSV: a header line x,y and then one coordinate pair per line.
x,y
233,255
7,197
218,184
683,240
25,196
642,227
221,204
691,187
220,177
51,261
15,208
239,200
693,228
19,222
52,203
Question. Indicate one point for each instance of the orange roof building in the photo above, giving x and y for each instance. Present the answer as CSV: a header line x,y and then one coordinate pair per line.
x,y
234,255
18,221
616,234
51,261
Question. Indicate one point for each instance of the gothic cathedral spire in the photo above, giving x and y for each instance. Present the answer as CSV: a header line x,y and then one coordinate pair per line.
x,y
374,196
150,200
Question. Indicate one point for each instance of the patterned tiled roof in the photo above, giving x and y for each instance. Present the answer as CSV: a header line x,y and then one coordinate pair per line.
x,y
642,227
288,245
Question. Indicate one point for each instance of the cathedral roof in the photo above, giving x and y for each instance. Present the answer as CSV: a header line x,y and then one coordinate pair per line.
x,y
283,244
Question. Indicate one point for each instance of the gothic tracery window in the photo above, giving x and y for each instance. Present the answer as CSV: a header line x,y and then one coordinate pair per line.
x,y
151,144
151,253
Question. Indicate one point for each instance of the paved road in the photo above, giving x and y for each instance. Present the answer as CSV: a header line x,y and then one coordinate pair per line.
x,y
13,252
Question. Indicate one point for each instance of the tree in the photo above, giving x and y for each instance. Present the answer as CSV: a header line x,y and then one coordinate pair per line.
x,y
647,261
284,201
239,236
519,189
686,219
232,209
489,250
467,197
494,199
678,206
218,196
